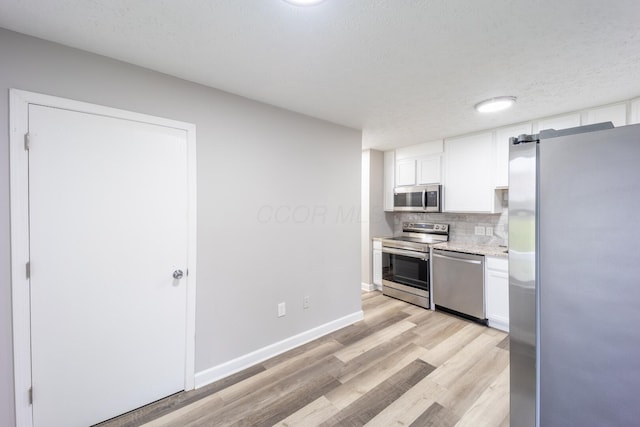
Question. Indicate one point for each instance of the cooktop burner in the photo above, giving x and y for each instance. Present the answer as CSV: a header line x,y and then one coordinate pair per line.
x,y
418,235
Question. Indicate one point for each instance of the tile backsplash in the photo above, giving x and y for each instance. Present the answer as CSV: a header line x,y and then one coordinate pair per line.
x,y
462,225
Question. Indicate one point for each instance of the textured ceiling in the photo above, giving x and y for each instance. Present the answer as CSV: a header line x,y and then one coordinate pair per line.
x,y
403,71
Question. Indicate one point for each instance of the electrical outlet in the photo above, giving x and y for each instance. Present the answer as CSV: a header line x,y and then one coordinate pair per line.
x,y
282,309
305,302
480,231
488,231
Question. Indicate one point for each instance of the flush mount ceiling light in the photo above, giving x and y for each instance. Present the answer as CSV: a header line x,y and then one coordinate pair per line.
x,y
495,104
304,2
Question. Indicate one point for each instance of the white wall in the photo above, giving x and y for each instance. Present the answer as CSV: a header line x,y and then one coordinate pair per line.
x,y
365,238
380,222
375,222
278,197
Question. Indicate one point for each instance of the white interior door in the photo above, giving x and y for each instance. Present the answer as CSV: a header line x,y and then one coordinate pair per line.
x,y
108,228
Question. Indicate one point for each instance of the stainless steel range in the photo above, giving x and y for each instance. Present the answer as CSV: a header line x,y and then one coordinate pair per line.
x,y
405,261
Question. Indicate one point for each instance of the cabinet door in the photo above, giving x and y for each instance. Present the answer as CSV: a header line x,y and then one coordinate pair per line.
x,y
635,112
560,122
497,292
377,267
405,172
617,114
501,173
429,170
468,184
389,179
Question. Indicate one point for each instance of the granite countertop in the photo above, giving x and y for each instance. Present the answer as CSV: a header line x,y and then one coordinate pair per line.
x,y
497,251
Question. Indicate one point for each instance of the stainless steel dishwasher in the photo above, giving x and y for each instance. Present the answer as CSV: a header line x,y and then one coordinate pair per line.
x,y
458,283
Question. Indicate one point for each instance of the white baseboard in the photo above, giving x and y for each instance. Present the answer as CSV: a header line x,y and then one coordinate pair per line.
x,y
378,288
368,287
223,370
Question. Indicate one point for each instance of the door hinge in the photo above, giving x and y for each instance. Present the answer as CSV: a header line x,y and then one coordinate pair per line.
x,y
27,141
31,396
28,270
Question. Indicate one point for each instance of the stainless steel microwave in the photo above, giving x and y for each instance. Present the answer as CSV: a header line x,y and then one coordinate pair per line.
x,y
422,198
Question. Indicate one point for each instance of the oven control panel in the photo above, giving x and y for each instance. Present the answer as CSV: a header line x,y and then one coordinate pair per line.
x,y
425,227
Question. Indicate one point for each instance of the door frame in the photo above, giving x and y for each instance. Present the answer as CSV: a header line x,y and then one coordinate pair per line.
x,y
19,101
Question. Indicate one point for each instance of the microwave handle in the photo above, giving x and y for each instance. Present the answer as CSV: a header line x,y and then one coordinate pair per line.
x,y
424,200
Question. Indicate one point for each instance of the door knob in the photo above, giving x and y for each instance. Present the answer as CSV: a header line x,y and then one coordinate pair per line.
x,y
178,274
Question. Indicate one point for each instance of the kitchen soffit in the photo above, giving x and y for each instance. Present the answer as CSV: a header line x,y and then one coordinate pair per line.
x,y
402,71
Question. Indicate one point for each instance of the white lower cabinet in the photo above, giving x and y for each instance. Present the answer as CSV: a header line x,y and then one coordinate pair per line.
x,y
497,292
377,263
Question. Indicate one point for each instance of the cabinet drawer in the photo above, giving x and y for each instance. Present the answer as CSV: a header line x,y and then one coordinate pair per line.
x,y
497,263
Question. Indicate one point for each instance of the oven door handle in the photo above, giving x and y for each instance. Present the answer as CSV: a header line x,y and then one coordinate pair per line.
x,y
410,254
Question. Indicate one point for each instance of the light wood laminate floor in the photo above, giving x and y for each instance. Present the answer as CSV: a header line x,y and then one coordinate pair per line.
x,y
400,366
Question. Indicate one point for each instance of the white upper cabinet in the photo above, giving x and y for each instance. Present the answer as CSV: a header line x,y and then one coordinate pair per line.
x,y
389,179
501,171
468,184
405,172
423,170
419,164
635,112
617,114
474,169
429,169
560,122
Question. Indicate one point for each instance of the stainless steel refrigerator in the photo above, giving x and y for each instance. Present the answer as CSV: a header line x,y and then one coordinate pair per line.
x,y
574,277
